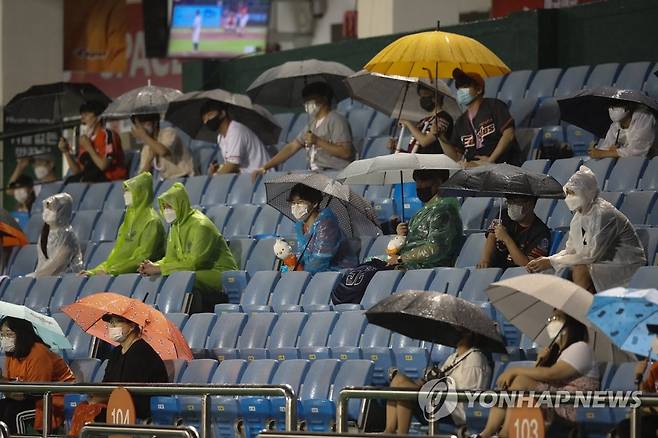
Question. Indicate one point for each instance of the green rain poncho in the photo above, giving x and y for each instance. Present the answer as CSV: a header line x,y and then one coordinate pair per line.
x,y
141,235
194,243
435,235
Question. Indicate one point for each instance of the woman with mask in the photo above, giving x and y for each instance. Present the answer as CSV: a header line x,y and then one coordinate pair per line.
x,y
29,359
567,364
58,249
632,133
22,189
141,236
162,149
602,250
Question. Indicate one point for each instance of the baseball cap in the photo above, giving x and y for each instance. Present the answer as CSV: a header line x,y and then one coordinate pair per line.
x,y
464,79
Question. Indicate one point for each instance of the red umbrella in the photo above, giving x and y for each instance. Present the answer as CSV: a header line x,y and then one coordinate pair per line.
x,y
158,331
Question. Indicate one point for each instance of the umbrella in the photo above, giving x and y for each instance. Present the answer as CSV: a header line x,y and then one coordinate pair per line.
x,y
158,331
588,109
527,301
436,54
282,85
623,314
10,231
501,180
143,100
184,113
51,104
435,317
390,94
46,327
356,217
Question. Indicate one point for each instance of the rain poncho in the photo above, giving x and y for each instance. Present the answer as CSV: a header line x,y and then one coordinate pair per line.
x,y
141,235
636,140
328,249
60,253
601,237
194,243
435,235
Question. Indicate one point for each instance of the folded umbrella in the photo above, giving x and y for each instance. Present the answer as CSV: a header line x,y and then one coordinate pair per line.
x,y
46,327
144,100
156,329
527,301
435,317
356,217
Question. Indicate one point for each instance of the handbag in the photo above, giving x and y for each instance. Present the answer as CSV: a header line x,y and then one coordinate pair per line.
x,y
84,413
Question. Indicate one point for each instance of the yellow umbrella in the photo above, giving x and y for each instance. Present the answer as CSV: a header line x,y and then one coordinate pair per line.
x,y
436,54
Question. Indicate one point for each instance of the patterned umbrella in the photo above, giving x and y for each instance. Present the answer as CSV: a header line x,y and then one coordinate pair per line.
x,y
143,100
356,217
157,330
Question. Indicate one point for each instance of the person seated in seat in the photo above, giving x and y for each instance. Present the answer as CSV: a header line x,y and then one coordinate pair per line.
x,y
43,166
602,249
327,138
321,245
518,237
566,365
434,233
163,149
141,235
632,133
469,368
22,189
194,244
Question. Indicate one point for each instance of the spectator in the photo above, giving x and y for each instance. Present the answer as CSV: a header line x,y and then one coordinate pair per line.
x,y
517,238
484,133
469,368
327,138
44,170
566,365
425,134
632,132
141,236
58,248
162,150
602,249
22,189
100,156
434,233
193,244
241,148
321,245
29,359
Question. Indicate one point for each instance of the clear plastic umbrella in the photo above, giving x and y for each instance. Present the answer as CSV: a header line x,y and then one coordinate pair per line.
x,y
144,100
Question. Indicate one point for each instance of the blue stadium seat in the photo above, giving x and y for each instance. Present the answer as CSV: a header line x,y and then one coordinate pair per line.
x,y
147,289
228,372
255,297
321,375
571,81
381,286
261,257
560,217
95,284
289,290
297,162
84,369
601,168
386,209
175,291
410,357
376,147
224,335
198,371
448,280
63,320
478,280
649,239
374,345
344,339
125,284
602,75
515,85
284,120
115,199
546,114
544,82
95,197
537,166
24,262
83,223
637,205
67,291
17,290
205,155
492,84
233,283
33,228
265,224
378,192
290,372
286,227
71,402
259,372
300,123
359,120
81,343
98,254
315,334
418,279
77,192
254,335
614,198
513,272
46,191
107,226
241,191
317,295
379,125
649,180
562,169
626,173
543,208
633,75
471,251
522,110
284,335
260,193
645,277
219,215
651,85
579,139
196,331
473,211
241,249
218,189
42,290
178,319
241,220
196,187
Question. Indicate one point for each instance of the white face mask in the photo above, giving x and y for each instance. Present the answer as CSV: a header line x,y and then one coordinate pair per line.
x,y
41,172
654,345
21,195
85,130
553,328
7,344
116,334
617,113
128,198
311,108
169,215
299,211
574,202
49,216
516,212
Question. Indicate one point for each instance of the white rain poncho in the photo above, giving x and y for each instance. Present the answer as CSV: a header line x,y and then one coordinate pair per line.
x,y
601,237
61,252
634,141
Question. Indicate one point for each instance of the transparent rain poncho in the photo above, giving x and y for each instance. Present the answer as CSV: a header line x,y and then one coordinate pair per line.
x,y
435,235
141,236
601,237
60,252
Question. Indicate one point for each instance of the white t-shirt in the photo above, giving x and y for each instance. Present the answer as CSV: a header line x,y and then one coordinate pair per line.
x,y
636,140
580,356
242,146
471,372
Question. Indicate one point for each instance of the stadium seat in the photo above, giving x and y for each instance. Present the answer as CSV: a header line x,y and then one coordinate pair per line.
x,y
260,193
83,223
261,257
205,155
254,335
478,280
218,189
98,254
544,82
224,335
645,277
241,191
579,139
376,147
285,121
546,114
537,166
633,75
297,162
471,251
651,85
560,217
115,200
649,180
321,375
637,205
42,290
17,290
95,284
601,168
24,262
379,125
418,279
67,291
603,75
344,339
63,320
175,292
196,332
77,192
376,191
147,289
178,319
266,223
315,334
290,372
233,283
359,120
522,111
513,272
255,296
46,191
284,334
94,198
33,228
543,208
289,290
473,211
492,84
515,85
317,294
448,280
81,343
382,284
241,249
614,198
626,173
649,239
562,169
219,215
300,123
410,357
107,226
240,222
571,81
125,284
84,369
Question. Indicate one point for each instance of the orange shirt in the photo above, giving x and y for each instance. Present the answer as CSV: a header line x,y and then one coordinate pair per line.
x,y
107,144
41,365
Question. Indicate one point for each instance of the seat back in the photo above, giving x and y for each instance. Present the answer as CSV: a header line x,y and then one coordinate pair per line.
x,y
448,280
262,256
175,292
289,289
287,329
633,75
318,290
544,82
603,75
24,262
198,371
348,330
197,329
240,222
478,280
572,80
317,329
242,190
196,187
259,372
382,284
125,284
626,173
255,332
228,327
147,289
601,169
41,292
471,251
320,376
107,226
96,284
259,288
67,291
228,372
218,189
95,196
17,290
418,279
473,211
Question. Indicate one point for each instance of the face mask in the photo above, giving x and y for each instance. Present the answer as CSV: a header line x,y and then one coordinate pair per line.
x,y
86,130
464,97
573,202
116,334
213,124
617,113
169,215
7,344
516,212
311,108
654,345
427,103
424,194
128,198
48,216
41,172
21,195
299,211
553,328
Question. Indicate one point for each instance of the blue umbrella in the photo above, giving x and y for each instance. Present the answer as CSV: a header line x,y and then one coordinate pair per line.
x,y
623,314
47,328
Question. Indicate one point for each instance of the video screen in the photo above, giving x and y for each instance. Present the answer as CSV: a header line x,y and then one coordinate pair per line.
x,y
218,29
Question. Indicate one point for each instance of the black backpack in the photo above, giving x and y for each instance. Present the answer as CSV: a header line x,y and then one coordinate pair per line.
x,y
353,282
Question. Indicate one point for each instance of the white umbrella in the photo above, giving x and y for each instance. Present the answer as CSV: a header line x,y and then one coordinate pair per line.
x,y
46,327
529,300
139,101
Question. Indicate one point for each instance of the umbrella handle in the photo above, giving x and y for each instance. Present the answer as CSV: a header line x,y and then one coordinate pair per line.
x,y
398,148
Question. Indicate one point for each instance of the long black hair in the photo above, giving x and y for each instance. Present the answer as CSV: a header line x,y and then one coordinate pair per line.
x,y
26,336
575,331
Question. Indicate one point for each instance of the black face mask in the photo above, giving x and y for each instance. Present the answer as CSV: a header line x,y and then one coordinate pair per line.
x,y
427,103
424,194
213,124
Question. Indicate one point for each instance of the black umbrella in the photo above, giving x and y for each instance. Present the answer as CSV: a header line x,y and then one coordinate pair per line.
x,y
436,317
499,180
588,109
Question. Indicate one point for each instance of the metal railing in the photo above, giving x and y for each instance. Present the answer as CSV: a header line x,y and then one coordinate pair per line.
x,y
370,393
203,391
93,430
